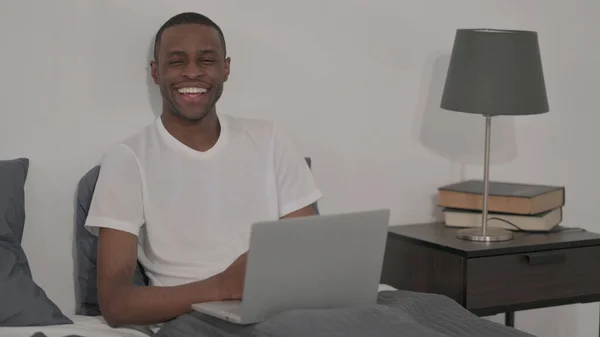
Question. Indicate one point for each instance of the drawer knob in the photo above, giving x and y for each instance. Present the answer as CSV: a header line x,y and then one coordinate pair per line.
x,y
536,259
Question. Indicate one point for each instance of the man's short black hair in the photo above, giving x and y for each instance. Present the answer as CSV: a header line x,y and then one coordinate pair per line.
x,y
186,18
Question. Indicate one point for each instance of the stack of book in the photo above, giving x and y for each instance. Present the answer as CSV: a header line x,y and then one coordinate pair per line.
x,y
512,206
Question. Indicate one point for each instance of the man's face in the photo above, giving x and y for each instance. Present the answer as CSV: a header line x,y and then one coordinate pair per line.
x,y
190,70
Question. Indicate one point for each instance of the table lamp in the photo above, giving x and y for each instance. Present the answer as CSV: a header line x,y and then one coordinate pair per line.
x,y
494,72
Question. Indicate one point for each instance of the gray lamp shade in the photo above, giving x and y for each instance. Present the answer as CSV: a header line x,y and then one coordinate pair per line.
x,y
495,72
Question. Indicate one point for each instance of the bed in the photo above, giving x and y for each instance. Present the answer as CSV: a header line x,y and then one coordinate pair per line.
x,y
26,311
85,326
398,313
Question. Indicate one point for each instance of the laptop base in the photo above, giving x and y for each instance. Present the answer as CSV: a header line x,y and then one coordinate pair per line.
x,y
226,310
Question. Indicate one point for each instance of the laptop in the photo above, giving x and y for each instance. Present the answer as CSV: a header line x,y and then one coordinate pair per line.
x,y
314,262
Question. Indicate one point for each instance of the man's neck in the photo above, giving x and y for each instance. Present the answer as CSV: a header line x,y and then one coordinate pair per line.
x,y
200,136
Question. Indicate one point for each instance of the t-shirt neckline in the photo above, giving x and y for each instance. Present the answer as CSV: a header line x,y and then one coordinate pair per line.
x,y
177,145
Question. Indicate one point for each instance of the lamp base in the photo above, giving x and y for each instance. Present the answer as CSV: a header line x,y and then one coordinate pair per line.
x,y
492,234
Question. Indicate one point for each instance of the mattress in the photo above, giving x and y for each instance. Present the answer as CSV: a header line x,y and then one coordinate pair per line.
x,y
82,326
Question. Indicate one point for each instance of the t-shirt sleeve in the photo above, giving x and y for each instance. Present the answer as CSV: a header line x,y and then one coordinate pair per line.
x,y
296,185
117,201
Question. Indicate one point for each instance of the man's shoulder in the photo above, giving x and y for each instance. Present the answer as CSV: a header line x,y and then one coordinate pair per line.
x,y
254,126
133,144
263,133
142,136
260,132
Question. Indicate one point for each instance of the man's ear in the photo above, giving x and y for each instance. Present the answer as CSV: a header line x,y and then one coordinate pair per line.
x,y
154,71
227,68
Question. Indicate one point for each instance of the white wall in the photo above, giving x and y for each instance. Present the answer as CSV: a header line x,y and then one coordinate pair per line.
x,y
357,83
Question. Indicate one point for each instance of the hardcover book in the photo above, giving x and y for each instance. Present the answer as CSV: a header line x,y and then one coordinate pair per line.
x,y
541,222
503,197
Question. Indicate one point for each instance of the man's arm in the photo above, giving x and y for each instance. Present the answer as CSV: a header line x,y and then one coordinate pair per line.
x,y
124,303
296,186
116,215
304,211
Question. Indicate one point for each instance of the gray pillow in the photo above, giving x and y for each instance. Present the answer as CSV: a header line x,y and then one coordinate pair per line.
x,y
23,302
13,174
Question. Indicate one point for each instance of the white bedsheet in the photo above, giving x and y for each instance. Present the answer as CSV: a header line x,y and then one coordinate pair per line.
x,y
89,327
385,287
83,326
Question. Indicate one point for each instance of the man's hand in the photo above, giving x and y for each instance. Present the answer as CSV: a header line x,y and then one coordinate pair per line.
x,y
231,280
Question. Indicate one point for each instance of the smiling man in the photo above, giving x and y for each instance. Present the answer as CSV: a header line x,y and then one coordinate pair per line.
x,y
180,195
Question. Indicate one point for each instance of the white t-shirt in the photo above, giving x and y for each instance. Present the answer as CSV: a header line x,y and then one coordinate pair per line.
x,y
192,210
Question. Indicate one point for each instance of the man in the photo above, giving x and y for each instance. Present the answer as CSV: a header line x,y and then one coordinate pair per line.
x,y
181,195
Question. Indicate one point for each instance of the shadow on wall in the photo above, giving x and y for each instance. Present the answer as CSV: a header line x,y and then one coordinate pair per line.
x,y
153,90
455,136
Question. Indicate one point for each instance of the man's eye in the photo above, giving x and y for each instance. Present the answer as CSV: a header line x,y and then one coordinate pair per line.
x,y
175,62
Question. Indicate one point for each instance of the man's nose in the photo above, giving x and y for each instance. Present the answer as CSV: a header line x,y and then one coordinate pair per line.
x,y
192,70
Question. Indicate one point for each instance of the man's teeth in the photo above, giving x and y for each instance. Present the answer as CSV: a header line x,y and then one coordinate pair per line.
x,y
192,90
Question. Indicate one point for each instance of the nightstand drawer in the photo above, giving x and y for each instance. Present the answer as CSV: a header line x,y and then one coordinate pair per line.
x,y
532,277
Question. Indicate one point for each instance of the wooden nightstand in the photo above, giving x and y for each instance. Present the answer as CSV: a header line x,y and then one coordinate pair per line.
x,y
529,272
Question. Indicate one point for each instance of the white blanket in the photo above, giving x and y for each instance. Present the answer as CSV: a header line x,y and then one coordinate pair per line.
x,y
83,326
